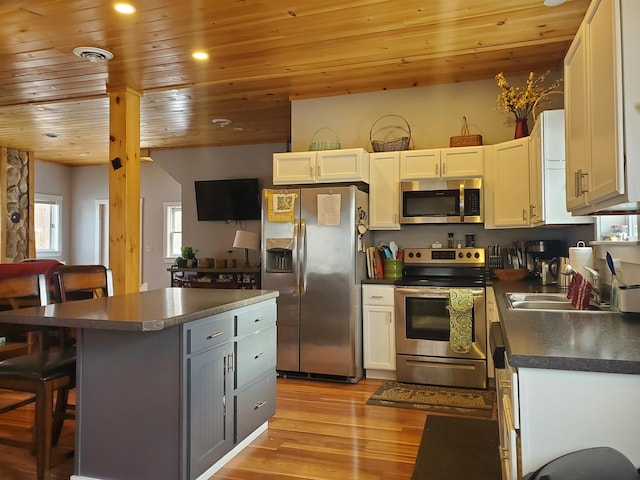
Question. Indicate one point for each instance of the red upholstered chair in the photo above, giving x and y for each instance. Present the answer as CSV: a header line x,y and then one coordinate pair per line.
x,y
41,374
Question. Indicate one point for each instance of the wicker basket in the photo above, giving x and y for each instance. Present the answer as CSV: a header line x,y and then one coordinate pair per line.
x,y
394,145
324,144
464,139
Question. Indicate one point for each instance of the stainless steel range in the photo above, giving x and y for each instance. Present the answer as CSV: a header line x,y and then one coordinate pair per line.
x,y
423,351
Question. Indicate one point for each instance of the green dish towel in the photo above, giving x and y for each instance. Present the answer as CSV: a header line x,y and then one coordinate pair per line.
x,y
460,319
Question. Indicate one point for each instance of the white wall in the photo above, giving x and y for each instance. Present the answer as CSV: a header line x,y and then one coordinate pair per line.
x,y
215,239
434,114
55,179
80,187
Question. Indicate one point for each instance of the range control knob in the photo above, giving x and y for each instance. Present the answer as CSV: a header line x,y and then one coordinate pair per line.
x,y
460,255
418,254
410,254
468,254
477,255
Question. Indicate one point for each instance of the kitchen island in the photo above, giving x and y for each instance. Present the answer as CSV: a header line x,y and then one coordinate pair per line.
x,y
170,383
571,381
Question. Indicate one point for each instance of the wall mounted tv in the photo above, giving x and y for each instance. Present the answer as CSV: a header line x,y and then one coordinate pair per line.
x,y
222,200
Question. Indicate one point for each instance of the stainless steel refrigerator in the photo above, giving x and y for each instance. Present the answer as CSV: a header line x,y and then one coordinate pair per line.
x,y
311,253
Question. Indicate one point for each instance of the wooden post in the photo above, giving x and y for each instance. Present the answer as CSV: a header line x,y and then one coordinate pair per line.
x,y
124,189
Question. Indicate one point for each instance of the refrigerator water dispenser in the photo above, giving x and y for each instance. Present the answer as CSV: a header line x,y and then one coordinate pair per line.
x,y
279,255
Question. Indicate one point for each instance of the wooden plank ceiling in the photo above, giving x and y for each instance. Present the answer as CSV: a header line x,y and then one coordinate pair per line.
x,y
263,54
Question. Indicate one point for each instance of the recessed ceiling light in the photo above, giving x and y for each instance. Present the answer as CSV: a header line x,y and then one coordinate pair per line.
x,y
93,54
200,55
553,3
125,8
221,122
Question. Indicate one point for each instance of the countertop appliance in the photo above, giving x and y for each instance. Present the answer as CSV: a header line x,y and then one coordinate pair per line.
x,y
442,201
542,259
311,239
423,349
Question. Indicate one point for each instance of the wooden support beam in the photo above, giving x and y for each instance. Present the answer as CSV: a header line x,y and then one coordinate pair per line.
x,y
124,189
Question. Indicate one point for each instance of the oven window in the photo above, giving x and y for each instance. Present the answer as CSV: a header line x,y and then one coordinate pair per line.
x,y
428,319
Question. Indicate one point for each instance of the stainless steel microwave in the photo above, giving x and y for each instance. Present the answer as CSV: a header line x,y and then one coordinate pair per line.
x,y
442,201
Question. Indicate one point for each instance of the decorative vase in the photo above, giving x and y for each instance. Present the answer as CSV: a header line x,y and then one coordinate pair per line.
x,y
522,128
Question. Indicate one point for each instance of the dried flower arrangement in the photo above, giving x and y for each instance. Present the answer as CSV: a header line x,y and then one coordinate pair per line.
x,y
520,100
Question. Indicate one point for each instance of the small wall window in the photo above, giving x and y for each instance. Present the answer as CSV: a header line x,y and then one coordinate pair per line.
x,y
172,230
48,232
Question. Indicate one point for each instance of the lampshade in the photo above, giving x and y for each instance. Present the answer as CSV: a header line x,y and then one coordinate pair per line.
x,y
245,239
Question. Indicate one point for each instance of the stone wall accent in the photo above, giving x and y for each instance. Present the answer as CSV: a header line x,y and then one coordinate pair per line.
x,y
18,207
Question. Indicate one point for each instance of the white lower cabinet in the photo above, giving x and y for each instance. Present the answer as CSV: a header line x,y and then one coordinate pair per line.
x,y
544,414
378,327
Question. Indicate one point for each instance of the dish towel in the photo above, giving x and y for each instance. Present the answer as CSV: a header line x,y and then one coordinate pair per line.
x,y
460,319
580,292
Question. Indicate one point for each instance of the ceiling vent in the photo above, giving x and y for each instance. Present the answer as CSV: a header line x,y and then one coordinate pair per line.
x,y
93,54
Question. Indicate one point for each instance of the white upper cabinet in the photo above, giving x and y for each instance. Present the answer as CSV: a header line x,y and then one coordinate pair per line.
x,y
507,192
419,164
384,191
459,162
324,166
602,101
547,172
294,167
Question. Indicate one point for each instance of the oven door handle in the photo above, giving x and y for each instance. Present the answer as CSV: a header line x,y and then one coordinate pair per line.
x,y
461,201
434,292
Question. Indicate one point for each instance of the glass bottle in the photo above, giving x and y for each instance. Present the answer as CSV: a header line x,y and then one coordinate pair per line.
x,y
450,243
615,294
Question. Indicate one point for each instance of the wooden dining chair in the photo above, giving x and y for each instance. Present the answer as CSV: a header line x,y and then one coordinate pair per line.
x,y
79,282
41,374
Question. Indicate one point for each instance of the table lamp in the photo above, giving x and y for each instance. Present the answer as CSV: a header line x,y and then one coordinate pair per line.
x,y
246,240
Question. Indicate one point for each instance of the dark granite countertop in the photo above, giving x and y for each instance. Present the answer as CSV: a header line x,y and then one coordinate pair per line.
x,y
574,340
145,311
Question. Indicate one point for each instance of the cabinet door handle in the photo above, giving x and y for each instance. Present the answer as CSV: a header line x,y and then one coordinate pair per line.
x,y
214,335
259,405
261,354
376,296
259,319
230,362
444,168
524,214
437,170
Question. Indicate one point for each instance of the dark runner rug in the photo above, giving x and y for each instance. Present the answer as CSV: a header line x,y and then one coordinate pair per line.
x,y
454,448
454,400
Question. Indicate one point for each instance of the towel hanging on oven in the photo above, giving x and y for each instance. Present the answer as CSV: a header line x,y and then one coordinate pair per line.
x,y
460,319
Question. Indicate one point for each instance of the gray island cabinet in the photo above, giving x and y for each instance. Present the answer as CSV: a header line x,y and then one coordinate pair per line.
x,y
171,383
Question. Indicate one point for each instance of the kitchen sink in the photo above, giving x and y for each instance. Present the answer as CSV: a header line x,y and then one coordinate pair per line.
x,y
549,302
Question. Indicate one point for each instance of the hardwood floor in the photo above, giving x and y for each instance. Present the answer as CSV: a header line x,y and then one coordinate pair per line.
x,y
321,431
325,431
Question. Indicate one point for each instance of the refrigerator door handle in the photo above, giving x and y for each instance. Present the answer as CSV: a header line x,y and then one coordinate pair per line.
x,y
295,249
302,254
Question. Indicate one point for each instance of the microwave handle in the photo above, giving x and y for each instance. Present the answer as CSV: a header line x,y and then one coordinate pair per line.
x,y
462,202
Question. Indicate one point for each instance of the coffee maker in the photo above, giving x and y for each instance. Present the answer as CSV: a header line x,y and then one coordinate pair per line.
x,y
543,259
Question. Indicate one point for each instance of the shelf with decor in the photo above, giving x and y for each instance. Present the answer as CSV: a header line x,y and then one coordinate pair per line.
x,y
245,278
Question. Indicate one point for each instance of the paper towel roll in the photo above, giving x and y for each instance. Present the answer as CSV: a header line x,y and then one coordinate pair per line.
x,y
579,257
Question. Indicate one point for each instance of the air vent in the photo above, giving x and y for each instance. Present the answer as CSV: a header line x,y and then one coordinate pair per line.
x,y
93,54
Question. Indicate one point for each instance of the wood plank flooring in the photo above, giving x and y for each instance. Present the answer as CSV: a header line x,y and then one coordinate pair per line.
x,y
321,431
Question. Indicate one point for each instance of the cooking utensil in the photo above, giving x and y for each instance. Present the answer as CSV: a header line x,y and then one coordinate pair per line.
x,y
393,246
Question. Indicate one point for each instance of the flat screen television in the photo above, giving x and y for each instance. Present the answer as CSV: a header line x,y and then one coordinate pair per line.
x,y
222,200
